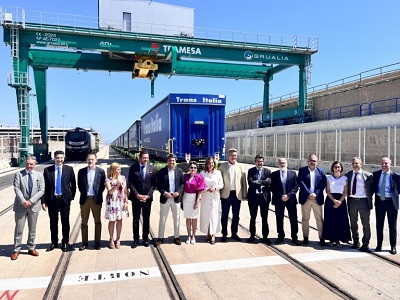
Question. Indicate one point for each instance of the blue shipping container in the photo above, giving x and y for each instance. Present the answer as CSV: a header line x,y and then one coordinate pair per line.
x,y
185,123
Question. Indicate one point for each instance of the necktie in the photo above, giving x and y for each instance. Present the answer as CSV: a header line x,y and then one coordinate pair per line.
x,y
30,184
283,180
58,181
259,178
142,172
354,186
383,186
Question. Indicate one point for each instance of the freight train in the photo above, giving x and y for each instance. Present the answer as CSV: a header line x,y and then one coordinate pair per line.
x,y
183,124
78,143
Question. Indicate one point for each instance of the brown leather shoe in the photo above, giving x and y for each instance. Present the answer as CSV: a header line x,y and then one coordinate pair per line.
x,y
33,252
14,256
159,242
177,241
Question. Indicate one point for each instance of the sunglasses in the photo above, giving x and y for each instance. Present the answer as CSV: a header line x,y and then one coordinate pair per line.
x,y
194,168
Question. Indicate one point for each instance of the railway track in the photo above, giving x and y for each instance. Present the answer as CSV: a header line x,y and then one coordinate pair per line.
x,y
55,285
171,282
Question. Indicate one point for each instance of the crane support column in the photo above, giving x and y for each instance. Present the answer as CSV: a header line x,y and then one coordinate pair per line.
x,y
302,89
266,99
41,96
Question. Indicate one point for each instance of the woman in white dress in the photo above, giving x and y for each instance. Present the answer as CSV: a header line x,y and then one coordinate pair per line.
x,y
210,210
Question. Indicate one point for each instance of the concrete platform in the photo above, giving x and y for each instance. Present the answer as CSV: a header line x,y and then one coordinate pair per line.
x,y
234,270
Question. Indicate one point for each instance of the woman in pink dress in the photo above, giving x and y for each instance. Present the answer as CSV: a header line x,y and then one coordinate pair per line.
x,y
194,185
116,202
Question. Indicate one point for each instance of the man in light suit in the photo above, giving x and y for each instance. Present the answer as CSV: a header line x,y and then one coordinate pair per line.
x,y
170,184
91,184
142,183
386,188
284,189
233,192
259,195
360,188
29,189
59,192
312,182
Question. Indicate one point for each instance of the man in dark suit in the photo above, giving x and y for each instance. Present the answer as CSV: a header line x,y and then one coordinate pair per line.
x,y
170,184
259,195
60,189
360,188
142,182
386,188
29,189
284,189
91,184
312,182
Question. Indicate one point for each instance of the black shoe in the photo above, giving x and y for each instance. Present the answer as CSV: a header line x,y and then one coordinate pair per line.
x,y
267,241
305,241
279,241
65,247
236,237
223,239
52,247
146,243
378,249
364,248
393,250
134,244
355,245
296,242
322,242
84,246
97,246
250,239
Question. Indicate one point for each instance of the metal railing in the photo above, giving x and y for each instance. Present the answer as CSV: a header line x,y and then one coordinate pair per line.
x,y
391,105
340,83
275,42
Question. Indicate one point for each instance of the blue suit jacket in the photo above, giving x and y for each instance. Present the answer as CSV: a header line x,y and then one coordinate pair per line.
x,y
98,185
163,184
305,183
252,180
394,186
291,187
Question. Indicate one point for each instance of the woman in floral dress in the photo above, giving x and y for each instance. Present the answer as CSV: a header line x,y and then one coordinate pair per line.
x,y
117,202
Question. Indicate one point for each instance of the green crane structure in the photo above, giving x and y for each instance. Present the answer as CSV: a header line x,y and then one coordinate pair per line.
x,y
43,44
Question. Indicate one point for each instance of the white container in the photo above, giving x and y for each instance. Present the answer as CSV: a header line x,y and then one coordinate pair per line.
x,y
146,17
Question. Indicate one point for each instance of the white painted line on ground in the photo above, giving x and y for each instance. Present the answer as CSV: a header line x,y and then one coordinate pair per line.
x,y
211,266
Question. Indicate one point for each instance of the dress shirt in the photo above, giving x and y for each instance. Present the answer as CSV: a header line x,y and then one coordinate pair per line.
x,y
284,179
142,170
90,179
360,191
55,178
259,190
171,177
232,175
388,191
312,180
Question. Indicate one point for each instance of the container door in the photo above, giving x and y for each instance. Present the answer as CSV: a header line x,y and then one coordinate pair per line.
x,y
198,140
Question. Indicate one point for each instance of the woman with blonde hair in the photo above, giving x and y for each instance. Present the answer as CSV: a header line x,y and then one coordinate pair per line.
x,y
116,202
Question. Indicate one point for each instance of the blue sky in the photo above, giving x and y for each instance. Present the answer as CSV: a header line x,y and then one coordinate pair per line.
x,y
354,36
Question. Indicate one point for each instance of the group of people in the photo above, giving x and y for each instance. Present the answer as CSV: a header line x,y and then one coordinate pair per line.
x,y
212,194
348,196
53,191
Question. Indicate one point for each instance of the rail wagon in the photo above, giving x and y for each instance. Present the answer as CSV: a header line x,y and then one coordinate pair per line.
x,y
185,124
